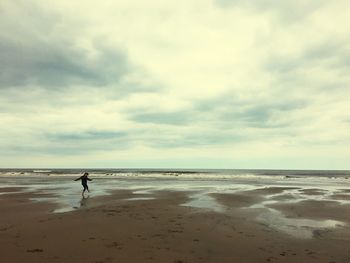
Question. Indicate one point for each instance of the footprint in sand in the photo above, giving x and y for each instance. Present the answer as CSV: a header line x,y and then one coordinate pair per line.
x,y
115,245
5,228
269,259
175,231
35,250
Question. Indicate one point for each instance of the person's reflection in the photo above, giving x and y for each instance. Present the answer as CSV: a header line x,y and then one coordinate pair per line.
x,y
84,201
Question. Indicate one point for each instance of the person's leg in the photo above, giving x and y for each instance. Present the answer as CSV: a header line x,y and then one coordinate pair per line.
x,y
86,188
83,190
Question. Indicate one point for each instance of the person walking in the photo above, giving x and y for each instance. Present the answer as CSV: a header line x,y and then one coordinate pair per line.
x,y
84,178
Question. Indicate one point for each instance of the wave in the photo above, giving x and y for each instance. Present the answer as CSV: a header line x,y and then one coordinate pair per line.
x,y
184,174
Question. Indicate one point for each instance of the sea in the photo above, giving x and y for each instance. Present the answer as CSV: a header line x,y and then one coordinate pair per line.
x,y
182,173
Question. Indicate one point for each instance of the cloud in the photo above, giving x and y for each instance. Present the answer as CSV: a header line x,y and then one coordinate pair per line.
x,y
288,10
261,112
169,118
48,53
84,142
79,142
331,55
86,135
197,140
52,65
263,116
136,81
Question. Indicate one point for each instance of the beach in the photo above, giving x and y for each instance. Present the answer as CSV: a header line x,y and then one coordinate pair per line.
x,y
174,219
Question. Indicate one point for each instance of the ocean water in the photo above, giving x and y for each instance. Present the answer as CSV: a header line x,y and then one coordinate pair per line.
x,y
183,173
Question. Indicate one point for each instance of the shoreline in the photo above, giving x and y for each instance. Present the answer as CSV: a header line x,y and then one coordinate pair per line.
x,y
169,173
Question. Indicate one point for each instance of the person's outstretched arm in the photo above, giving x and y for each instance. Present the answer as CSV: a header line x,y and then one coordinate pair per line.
x,y
78,179
89,179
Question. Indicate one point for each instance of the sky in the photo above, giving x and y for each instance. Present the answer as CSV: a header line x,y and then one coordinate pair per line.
x,y
175,84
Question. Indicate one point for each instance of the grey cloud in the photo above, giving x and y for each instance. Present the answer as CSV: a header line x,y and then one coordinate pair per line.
x,y
87,135
169,118
47,150
336,52
289,10
258,113
58,149
281,65
45,52
63,143
292,72
52,65
38,48
105,140
332,55
227,111
262,116
200,139
63,146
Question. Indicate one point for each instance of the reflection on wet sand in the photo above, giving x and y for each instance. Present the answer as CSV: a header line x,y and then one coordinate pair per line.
x,y
84,201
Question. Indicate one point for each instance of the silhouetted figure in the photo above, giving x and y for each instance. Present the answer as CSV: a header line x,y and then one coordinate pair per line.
x,y
84,180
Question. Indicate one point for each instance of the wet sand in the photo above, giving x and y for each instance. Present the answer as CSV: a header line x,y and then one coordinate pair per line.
x,y
313,209
114,228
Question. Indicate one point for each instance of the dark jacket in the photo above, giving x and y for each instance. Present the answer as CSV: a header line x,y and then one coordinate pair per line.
x,y
83,179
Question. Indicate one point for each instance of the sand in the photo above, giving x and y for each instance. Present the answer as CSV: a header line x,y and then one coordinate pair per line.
x,y
114,228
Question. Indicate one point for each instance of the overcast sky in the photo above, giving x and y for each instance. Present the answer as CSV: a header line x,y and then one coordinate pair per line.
x,y
175,84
